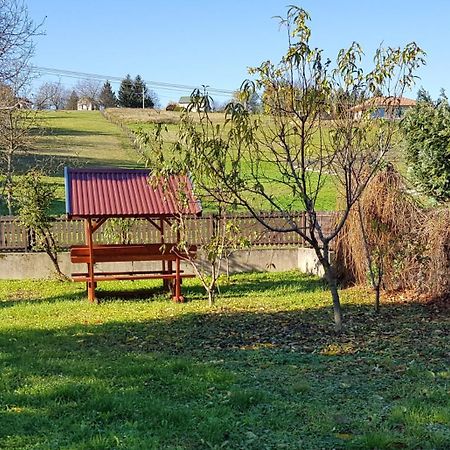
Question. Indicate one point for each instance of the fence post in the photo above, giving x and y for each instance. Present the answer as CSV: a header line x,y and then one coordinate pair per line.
x,y
31,240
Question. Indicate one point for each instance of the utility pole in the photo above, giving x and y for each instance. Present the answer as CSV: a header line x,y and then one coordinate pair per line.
x,y
143,97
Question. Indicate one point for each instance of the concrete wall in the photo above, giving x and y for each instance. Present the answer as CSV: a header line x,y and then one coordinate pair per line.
x,y
20,266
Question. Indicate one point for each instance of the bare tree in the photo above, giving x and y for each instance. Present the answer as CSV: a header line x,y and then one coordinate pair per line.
x,y
295,151
51,94
17,31
15,127
89,88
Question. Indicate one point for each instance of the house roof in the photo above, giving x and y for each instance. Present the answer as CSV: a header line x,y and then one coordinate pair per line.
x,y
376,102
185,99
115,192
86,100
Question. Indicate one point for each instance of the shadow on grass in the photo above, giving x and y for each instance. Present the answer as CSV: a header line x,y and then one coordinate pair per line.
x,y
58,131
140,291
54,163
250,379
140,294
237,286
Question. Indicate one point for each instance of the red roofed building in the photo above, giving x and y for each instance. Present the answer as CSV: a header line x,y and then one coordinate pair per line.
x,y
384,107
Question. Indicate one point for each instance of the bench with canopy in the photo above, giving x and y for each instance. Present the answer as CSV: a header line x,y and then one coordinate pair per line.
x,y
98,194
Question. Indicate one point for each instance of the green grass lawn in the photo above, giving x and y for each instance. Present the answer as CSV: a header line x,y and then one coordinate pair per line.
x,y
262,369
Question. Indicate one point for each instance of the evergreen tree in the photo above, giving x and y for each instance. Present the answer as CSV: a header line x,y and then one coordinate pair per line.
x,y
140,89
72,101
126,93
130,93
107,97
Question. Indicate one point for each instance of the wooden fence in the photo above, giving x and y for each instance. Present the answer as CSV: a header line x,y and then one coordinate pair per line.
x,y
16,238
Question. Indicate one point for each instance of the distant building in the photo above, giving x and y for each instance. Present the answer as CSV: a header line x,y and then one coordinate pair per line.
x,y
184,102
24,103
87,104
384,107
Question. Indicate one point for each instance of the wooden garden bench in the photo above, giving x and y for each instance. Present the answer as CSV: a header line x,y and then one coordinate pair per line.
x,y
167,253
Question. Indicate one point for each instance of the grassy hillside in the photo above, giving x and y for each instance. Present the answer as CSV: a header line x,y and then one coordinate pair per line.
x,y
84,137
75,138
146,120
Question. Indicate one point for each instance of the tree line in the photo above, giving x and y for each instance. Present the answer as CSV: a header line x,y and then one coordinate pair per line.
x,y
132,93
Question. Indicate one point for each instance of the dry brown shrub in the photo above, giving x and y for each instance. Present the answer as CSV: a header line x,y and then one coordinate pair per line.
x,y
382,230
391,231
436,267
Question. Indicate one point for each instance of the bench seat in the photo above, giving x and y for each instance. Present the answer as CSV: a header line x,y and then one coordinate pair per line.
x,y
139,275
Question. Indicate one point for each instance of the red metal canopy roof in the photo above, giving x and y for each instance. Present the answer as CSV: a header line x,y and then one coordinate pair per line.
x,y
111,192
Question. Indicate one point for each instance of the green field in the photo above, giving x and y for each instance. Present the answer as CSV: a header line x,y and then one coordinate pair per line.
x,y
145,120
262,369
75,138
86,138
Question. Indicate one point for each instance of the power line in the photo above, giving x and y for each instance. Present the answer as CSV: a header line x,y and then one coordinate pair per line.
x,y
160,85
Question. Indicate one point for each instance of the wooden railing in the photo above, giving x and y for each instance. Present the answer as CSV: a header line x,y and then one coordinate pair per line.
x,y
16,238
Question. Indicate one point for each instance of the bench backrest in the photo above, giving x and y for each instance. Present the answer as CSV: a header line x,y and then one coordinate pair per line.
x,y
124,253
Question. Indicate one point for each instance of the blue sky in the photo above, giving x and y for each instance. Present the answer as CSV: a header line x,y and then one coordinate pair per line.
x,y
196,42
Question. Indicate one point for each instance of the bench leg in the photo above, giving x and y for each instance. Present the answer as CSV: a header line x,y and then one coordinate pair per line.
x,y
91,291
178,297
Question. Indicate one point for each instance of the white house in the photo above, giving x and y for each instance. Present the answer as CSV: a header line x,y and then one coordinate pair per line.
x,y
185,101
87,104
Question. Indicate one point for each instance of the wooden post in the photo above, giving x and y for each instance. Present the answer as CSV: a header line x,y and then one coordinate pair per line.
x,y
89,242
178,297
163,263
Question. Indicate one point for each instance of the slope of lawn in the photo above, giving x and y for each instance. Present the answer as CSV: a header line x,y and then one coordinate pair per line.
x,y
146,120
262,369
86,136
75,138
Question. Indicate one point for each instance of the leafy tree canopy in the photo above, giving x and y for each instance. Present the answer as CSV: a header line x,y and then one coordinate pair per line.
x,y
243,161
427,133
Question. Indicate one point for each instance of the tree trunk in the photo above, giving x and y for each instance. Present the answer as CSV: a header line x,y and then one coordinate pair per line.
x,y
211,296
8,183
337,310
212,287
377,289
330,276
54,259
50,249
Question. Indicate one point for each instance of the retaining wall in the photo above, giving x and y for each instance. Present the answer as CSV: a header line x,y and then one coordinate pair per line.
x,y
20,266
